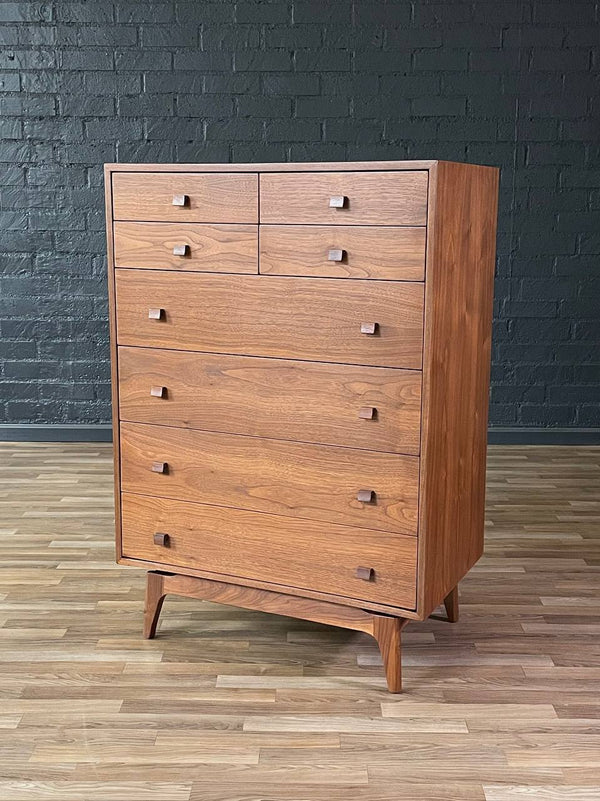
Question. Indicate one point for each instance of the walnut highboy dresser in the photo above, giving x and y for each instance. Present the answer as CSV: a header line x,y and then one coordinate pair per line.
x,y
300,385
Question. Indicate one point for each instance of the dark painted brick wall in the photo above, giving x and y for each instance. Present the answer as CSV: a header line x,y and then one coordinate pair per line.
x,y
514,84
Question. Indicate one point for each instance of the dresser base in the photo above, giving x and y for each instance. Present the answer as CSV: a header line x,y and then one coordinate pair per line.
x,y
385,629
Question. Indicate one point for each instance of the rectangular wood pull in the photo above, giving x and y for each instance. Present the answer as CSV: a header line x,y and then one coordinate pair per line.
x,y
161,539
180,250
364,573
159,467
155,314
337,202
368,328
180,200
335,255
367,412
158,392
365,496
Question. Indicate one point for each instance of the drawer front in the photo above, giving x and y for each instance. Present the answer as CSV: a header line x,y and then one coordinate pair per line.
x,y
185,197
280,399
297,318
315,482
362,198
339,251
186,246
265,547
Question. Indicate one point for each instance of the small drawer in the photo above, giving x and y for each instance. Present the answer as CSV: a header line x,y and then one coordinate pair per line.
x,y
376,323
344,198
315,482
280,550
340,251
185,197
186,246
276,398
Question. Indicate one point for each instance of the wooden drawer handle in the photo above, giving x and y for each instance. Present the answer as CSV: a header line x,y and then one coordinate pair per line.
x,y
158,392
337,201
365,573
335,255
367,413
156,314
161,539
180,200
160,467
180,250
369,328
365,496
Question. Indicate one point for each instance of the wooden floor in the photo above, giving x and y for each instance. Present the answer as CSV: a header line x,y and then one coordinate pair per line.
x,y
228,705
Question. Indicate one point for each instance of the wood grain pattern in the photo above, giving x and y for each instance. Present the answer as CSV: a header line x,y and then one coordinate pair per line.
x,y
294,318
502,706
381,198
265,475
283,550
388,632
210,248
395,254
212,198
458,331
277,398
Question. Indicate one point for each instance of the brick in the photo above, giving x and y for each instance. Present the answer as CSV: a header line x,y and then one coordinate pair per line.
x,y
321,107
248,11
438,106
263,61
336,12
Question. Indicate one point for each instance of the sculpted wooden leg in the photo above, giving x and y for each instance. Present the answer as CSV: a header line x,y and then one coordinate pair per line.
x,y
387,632
451,604
155,595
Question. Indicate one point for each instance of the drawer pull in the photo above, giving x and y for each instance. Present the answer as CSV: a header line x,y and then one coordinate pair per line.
x,y
158,392
335,255
160,467
337,202
155,314
365,496
180,200
365,573
367,413
180,250
161,539
369,328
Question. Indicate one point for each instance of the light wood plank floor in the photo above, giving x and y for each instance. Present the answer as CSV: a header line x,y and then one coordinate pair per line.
x,y
228,705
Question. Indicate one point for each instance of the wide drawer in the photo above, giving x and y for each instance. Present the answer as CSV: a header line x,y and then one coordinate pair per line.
x,y
316,482
344,198
355,322
266,547
185,197
342,251
276,398
186,246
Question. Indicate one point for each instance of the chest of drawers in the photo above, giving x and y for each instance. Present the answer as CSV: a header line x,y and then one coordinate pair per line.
x,y
300,359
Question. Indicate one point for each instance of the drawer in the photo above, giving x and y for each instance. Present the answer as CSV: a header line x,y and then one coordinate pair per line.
x,y
185,197
340,251
344,198
186,246
314,482
317,319
276,398
265,547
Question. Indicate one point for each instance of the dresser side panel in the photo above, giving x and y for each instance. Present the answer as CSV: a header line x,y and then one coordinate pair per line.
x,y
114,369
458,326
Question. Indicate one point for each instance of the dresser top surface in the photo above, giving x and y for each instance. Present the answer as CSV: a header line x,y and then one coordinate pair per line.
x,y
310,166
